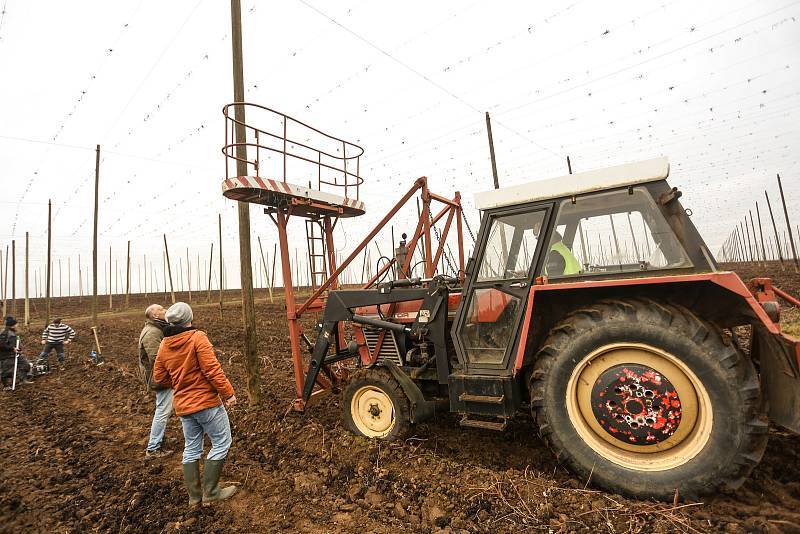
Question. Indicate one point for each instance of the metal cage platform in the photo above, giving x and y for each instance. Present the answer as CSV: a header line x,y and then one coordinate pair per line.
x,y
288,153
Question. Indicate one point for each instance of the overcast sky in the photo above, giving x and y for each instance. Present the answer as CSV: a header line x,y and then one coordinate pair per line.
x,y
711,85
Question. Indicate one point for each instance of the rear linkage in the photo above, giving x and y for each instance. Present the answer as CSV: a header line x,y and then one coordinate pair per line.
x,y
429,325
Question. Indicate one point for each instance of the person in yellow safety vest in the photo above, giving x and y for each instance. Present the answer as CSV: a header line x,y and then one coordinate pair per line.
x,y
560,260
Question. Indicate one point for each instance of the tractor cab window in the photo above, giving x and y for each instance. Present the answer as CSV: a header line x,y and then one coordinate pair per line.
x,y
621,231
511,246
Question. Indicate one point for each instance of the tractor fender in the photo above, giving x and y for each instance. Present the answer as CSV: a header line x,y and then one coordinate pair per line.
x,y
421,409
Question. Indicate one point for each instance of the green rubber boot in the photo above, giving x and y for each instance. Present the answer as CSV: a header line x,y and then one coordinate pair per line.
x,y
211,491
191,478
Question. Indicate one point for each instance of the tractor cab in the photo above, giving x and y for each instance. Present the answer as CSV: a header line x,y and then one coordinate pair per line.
x,y
619,223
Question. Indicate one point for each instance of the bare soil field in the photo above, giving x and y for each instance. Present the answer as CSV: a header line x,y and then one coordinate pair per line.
x,y
72,456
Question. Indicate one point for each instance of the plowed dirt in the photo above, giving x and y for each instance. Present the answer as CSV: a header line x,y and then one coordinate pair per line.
x,y
72,459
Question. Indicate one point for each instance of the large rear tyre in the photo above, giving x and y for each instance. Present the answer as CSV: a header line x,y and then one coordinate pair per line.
x,y
375,405
644,398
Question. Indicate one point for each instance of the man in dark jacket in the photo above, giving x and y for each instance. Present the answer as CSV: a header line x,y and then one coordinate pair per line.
x,y
9,355
149,341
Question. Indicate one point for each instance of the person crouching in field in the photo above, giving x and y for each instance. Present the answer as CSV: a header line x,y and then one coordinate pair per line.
x,y
149,341
186,362
10,354
54,337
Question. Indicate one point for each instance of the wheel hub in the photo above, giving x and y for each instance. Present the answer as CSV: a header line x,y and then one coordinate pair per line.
x,y
636,404
374,410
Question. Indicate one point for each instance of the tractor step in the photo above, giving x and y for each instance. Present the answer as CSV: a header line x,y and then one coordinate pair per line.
x,y
486,425
487,399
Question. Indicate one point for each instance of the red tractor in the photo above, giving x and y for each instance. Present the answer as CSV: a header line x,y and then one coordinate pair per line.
x,y
590,300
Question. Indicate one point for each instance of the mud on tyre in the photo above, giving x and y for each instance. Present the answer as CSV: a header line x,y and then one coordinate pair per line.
x,y
645,398
375,405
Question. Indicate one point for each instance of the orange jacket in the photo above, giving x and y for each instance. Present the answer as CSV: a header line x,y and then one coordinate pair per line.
x,y
186,363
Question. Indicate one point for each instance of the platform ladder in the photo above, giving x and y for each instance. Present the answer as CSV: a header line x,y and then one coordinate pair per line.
x,y
317,261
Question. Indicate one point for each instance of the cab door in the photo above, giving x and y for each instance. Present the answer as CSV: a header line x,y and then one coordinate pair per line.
x,y
488,320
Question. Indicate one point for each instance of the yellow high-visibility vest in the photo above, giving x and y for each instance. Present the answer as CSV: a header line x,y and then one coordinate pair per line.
x,y
571,262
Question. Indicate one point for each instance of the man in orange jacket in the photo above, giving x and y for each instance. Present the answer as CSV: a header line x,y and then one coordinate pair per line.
x,y
186,363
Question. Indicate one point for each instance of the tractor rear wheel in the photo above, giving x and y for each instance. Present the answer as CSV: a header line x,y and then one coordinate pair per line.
x,y
644,398
375,405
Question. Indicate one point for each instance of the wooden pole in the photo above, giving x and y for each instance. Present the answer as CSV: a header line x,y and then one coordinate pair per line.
x,y
144,267
69,277
761,233
169,270
210,265
188,275
788,226
264,262
491,151
80,280
48,273
252,362
128,278
220,264
746,232
4,280
14,277
110,280
94,238
274,255
755,238
775,229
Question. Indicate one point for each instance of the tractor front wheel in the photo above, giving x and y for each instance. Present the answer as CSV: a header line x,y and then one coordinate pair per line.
x,y
375,405
645,398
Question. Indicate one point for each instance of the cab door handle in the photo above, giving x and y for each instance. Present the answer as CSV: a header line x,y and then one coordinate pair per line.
x,y
518,284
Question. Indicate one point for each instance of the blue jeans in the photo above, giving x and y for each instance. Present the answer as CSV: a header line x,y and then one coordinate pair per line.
x,y
159,426
57,346
213,422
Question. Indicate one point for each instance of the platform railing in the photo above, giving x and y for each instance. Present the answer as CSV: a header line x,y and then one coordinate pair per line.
x,y
342,170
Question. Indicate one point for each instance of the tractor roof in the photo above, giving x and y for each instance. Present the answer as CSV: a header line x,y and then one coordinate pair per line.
x,y
650,170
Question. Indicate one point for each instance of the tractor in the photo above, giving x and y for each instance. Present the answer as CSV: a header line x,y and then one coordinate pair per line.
x,y
592,301
589,300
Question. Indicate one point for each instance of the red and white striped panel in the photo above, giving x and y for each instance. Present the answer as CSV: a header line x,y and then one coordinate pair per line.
x,y
254,182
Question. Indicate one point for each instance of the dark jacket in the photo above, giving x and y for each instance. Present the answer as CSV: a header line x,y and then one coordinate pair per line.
x,y
8,342
149,341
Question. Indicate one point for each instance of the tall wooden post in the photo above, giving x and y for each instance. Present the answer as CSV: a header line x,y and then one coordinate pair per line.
x,y
761,233
144,267
128,278
169,269
80,280
4,280
110,279
746,232
188,275
14,277
775,229
69,277
264,262
94,239
49,265
220,264
252,363
755,238
274,255
491,151
788,226
210,265
27,283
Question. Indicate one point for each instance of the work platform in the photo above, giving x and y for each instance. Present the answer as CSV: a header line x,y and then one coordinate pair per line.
x,y
306,202
269,156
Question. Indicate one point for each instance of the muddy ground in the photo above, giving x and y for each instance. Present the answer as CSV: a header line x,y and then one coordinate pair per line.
x,y
72,458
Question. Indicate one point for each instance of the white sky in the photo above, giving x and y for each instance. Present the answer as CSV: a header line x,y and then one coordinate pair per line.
x,y
712,85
